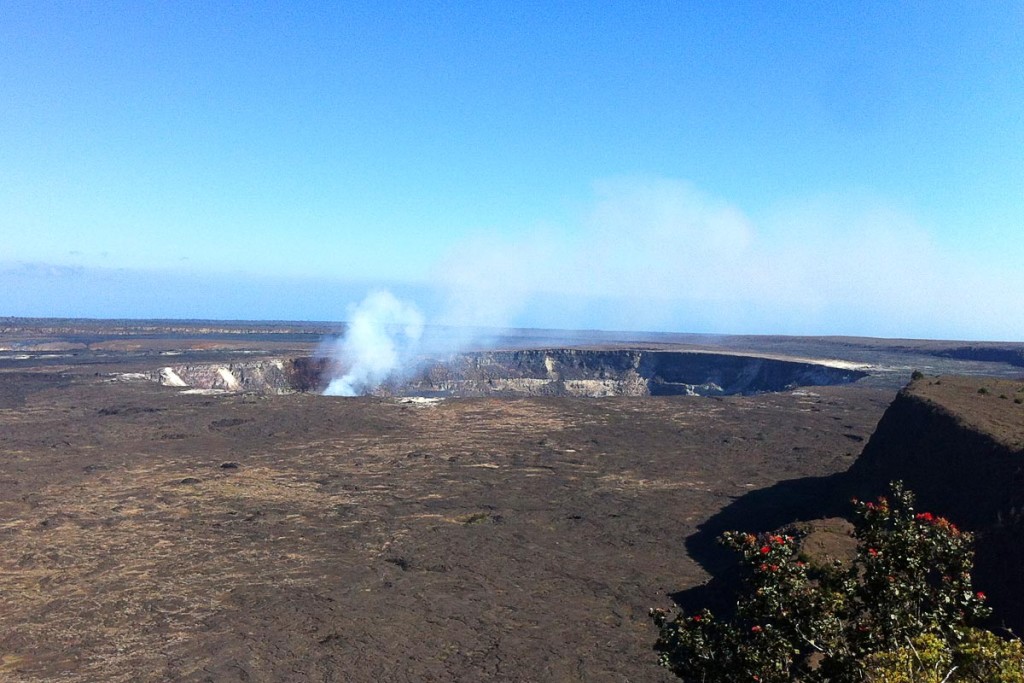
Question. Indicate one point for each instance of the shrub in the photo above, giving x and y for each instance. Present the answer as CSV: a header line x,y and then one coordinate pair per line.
x,y
985,657
908,590
916,375
981,657
926,659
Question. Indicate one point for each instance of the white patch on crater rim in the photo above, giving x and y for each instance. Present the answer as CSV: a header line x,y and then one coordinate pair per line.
x,y
835,363
230,381
169,378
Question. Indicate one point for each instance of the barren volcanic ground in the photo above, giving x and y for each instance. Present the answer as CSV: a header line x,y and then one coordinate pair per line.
x,y
149,534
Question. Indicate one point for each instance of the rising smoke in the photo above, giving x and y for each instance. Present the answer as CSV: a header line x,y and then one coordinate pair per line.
x,y
483,285
380,342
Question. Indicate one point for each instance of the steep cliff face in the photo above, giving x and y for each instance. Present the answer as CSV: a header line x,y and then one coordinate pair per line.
x,y
958,443
264,376
627,372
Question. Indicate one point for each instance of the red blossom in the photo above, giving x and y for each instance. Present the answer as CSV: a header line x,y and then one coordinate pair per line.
x,y
696,617
981,595
765,550
755,628
872,552
925,517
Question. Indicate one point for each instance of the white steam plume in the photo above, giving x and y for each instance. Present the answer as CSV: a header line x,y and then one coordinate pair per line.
x,y
380,342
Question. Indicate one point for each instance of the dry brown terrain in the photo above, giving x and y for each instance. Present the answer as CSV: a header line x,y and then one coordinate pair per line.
x,y
990,405
150,535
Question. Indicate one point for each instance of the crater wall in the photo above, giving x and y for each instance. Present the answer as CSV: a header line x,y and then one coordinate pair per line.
x,y
551,372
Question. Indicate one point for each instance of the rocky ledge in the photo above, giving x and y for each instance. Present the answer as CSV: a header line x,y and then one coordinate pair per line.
x,y
958,443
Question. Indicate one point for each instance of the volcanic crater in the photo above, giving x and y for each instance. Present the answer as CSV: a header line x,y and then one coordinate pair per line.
x,y
533,372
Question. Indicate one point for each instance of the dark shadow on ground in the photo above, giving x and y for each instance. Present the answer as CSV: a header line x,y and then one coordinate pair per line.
x,y
768,509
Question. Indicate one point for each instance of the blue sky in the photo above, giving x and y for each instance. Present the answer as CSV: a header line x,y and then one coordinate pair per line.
x,y
804,168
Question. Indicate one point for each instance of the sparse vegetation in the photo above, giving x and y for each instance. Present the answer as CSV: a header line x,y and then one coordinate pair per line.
x,y
900,611
983,390
980,657
916,375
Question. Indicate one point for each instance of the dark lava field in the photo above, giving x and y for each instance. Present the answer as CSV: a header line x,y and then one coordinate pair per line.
x,y
158,533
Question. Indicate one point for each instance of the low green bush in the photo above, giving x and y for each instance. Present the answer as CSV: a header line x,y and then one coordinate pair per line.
x,y
979,657
908,591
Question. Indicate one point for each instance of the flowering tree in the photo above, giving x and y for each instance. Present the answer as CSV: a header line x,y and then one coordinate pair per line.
x,y
911,579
